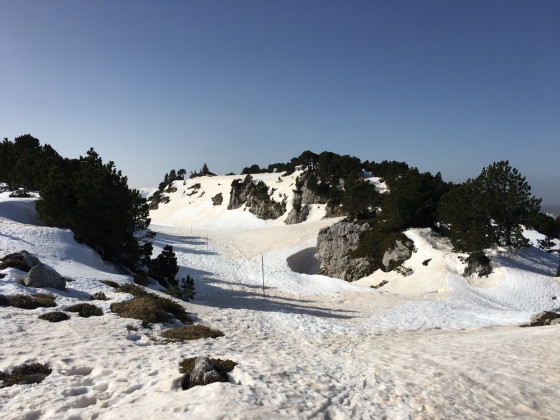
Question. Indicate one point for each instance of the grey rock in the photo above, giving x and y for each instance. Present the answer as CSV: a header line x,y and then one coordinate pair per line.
x,y
543,318
41,276
30,259
309,197
399,253
204,372
333,246
218,199
245,193
555,321
303,198
300,216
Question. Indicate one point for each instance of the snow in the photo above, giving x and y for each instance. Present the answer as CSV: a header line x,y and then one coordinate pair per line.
x,y
432,344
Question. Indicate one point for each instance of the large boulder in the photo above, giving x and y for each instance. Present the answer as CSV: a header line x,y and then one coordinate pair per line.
x,y
204,373
30,259
41,276
401,251
334,245
544,318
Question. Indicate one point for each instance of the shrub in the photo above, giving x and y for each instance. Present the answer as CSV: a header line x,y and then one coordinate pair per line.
x,y
32,373
54,316
34,301
4,301
110,283
374,242
14,261
85,310
140,278
184,290
142,308
191,332
159,303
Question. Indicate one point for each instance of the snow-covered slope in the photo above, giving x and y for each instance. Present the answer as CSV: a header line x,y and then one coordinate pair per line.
x,y
192,206
310,347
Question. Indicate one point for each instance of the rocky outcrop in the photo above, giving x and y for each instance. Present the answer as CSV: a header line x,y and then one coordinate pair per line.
x,y
544,318
256,198
41,276
298,216
334,245
303,197
218,199
400,252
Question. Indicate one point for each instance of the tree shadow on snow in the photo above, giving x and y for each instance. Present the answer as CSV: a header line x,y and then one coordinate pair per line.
x,y
184,244
251,297
530,259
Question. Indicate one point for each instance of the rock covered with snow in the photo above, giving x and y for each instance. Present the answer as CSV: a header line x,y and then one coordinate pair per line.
x,y
41,276
334,245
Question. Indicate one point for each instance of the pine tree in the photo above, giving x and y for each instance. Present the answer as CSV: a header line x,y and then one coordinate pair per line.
x,y
164,267
487,211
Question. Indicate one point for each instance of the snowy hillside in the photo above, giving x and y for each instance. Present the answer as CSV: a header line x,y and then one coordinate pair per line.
x,y
431,344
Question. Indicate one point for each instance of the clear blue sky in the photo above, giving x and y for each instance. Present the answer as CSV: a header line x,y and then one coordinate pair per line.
x,y
448,86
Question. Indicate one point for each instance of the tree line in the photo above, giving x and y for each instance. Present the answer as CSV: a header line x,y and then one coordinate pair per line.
x,y
490,210
91,198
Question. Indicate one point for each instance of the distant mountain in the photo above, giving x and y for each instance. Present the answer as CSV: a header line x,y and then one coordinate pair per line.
x,y
554,210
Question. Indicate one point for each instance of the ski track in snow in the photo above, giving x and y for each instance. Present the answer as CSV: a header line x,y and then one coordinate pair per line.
x,y
311,347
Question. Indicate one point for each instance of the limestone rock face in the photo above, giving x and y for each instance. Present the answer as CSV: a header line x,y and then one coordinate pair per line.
x,y
300,216
302,200
255,199
333,246
41,276
399,253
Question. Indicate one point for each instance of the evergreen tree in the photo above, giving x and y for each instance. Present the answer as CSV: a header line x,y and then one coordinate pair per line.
x,y
488,210
93,200
164,267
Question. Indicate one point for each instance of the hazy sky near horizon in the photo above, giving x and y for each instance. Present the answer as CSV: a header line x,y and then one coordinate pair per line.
x,y
447,86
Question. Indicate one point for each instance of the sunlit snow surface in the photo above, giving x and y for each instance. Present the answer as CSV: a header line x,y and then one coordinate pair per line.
x,y
310,347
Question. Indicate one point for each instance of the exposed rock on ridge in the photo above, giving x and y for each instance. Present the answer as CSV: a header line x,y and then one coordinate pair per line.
x,y
302,199
256,198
